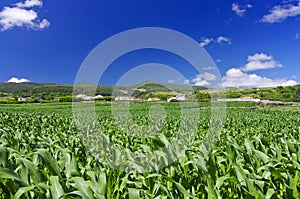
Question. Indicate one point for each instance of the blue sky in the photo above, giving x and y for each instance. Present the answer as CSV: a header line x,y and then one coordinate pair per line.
x,y
253,43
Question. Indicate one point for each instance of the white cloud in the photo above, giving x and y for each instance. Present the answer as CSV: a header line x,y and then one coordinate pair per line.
x,y
202,83
260,61
240,10
280,13
234,73
218,40
179,80
206,41
186,81
29,4
203,79
288,1
237,78
222,40
19,16
208,76
44,24
209,68
17,80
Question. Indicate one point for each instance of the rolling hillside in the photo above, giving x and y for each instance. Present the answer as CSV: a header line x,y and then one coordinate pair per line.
x,y
51,90
144,89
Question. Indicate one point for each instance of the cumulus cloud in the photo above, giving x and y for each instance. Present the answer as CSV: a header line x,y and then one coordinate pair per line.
x,y
260,61
240,10
29,4
206,41
17,80
222,40
179,80
186,81
202,83
203,79
218,40
21,16
280,13
235,77
238,77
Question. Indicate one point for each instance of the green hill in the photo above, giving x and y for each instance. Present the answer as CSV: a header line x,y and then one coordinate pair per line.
x,y
39,90
51,90
143,90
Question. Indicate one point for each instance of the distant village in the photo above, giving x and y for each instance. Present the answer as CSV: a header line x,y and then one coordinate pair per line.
x,y
258,101
177,98
84,97
150,92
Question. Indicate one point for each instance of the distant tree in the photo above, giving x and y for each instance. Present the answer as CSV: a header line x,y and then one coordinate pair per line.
x,y
65,99
203,97
232,94
279,88
108,98
138,93
162,96
32,100
297,95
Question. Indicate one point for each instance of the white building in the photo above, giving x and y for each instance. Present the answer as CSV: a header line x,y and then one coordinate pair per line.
x,y
88,98
122,98
180,97
98,97
172,99
22,99
243,99
84,97
153,99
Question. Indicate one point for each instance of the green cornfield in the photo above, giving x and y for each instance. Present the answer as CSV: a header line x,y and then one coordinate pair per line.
x,y
42,155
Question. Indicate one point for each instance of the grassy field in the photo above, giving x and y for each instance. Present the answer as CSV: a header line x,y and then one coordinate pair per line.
x,y
43,156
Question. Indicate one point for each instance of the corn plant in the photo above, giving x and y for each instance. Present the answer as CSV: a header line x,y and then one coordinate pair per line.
x,y
42,155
